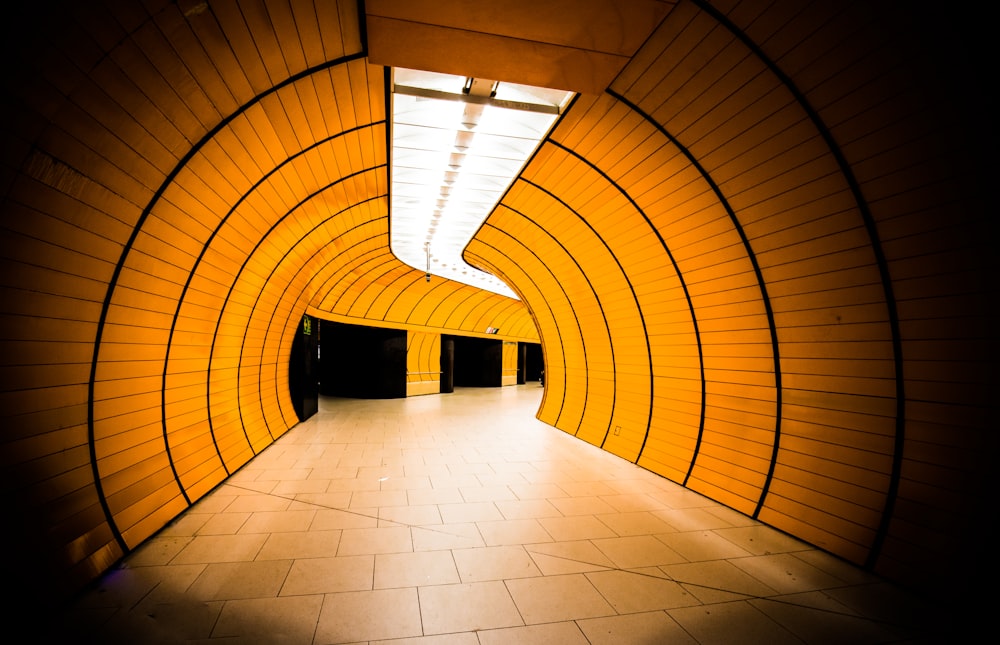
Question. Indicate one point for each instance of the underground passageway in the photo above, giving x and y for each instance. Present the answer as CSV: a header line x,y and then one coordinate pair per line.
x,y
750,238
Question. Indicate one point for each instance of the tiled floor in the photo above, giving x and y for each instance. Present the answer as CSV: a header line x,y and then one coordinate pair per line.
x,y
462,520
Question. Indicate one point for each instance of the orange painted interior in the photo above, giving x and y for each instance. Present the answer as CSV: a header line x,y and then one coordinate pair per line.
x,y
754,249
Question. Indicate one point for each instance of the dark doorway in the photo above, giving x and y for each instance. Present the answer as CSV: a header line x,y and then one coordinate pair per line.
x,y
478,362
447,364
362,362
303,369
533,361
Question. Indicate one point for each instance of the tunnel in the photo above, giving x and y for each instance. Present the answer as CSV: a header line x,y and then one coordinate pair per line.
x,y
754,249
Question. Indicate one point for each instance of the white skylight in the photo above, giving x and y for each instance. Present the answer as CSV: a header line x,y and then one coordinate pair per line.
x,y
457,144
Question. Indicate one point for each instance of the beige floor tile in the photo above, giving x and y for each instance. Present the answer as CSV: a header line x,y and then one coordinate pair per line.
x,y
413,515
630,503
278,521
252,503
785,573
494,563
630,592
676,496
556,598
361,616
352,485
638,551
467,607
466,638
506,479
376,498
697,546
567,633
284,474
185,525
643,628
465,468
541,476
513,532
540,491
290,620
388,539
329,575
708,579
240,580
576,527
158,550
455,481
527,509
635,523
325,472
382,473
469,512
224,524
427,466
221,548
692,519
732,622
514,463
818,619
415,569
588,489
214,502
404,482
731,516
423,496
837,567
761,540
586,505
486,493
320,501
303,544
568,557
331,519
446,536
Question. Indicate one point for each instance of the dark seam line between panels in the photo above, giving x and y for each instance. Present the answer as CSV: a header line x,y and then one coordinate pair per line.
x,y
880,260
760,282
381,259
194,271
635,297
399,293
218,322
607,327
388,270
116,274
694,317
291,281
333,277
469,296
472,311
576,320
239,365
507,308
443,282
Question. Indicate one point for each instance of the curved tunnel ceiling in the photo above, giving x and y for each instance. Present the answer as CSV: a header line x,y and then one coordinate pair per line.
x,y
739,248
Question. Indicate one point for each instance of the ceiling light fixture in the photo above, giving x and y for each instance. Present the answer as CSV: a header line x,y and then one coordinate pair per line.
x,y
457,144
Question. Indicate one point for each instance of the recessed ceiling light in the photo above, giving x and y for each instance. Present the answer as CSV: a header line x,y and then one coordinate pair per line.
x,y
457,144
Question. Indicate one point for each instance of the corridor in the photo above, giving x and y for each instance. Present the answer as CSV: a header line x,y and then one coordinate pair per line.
x,y
460,519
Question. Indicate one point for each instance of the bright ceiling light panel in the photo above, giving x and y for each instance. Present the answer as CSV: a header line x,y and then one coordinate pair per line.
x,y
457,144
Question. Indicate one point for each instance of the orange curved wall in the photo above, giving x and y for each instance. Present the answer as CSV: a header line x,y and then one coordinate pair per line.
x,y
757,263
